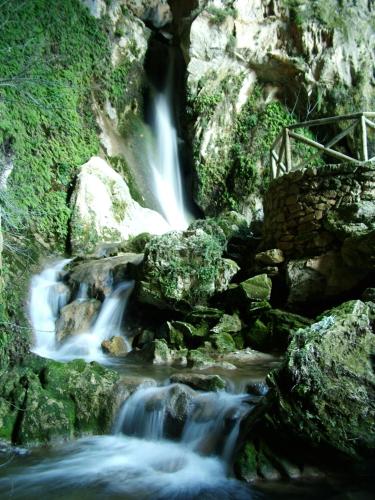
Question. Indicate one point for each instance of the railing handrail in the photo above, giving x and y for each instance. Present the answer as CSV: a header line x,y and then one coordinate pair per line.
x,y
281,160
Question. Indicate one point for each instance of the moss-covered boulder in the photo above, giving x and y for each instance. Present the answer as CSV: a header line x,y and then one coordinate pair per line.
x,y
199,381
184,269
273,329
249,293
324,393
182,334
44,401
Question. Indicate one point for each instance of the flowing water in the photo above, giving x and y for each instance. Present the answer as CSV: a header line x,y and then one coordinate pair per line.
x,y
164,159
48,295
139,461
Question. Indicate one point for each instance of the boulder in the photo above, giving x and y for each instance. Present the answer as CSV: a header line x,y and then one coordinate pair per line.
x,y
272,257
76,317
358,251
318,278
183,334
115,346
116,218
157,352
44,401
204,357
184,269
199,381
273,329
324,393
223,342
253,291
102,275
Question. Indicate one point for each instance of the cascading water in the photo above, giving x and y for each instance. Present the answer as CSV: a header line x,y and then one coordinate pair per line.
x,y
139,462
164,159
47,297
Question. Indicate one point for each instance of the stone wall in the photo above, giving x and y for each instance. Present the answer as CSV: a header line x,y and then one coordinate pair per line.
x,y
307,212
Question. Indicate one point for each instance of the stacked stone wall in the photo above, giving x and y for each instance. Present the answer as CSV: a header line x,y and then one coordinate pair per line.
x,y
299,207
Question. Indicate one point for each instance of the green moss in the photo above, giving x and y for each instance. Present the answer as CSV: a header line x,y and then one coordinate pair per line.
x,y
220,14
223,342
120,165
239,169
47,400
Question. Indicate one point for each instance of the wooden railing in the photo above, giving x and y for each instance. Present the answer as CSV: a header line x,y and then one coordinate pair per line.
x,y
281,160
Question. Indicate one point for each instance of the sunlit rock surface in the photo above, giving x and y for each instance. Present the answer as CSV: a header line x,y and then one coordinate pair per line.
x,y
104,211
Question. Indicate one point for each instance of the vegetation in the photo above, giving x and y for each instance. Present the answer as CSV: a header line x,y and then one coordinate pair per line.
x,y
53,57
220,14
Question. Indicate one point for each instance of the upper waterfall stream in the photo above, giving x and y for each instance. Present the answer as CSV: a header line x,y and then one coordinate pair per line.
x,y
163,154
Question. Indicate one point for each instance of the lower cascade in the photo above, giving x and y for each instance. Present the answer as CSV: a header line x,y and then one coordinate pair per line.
x,y
141,459
48,295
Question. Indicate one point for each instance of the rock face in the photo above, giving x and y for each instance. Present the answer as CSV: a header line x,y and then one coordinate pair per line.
x,y
309,55
182,270
157,12
104,211
320,278
115,346
102,275
47,401
325,391
76,317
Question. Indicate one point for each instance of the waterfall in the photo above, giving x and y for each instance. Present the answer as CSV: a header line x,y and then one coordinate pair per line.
x,y
138,461
48,295
164,159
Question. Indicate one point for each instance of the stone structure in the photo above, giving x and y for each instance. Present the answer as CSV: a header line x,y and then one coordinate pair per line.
x,y
307,212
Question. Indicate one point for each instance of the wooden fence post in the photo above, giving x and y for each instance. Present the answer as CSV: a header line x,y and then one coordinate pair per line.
x,y
364,138
288,152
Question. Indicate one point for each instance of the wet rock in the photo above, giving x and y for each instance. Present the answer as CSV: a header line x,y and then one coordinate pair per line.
x,y
204,358
368,295
228,323
115,346
257,388
208,315
200,381
252,291
184,269
76,317
324,391
225,226
45,401
223,342
318,278
102,275
246,356
271,257
274,329
116,218
157,352
358,252
183,334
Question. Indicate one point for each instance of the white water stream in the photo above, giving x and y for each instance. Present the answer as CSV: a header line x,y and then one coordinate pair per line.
x,y
48,295
139,462
164,159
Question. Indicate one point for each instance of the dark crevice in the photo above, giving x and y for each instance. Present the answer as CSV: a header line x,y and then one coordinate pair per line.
x,y
16,432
